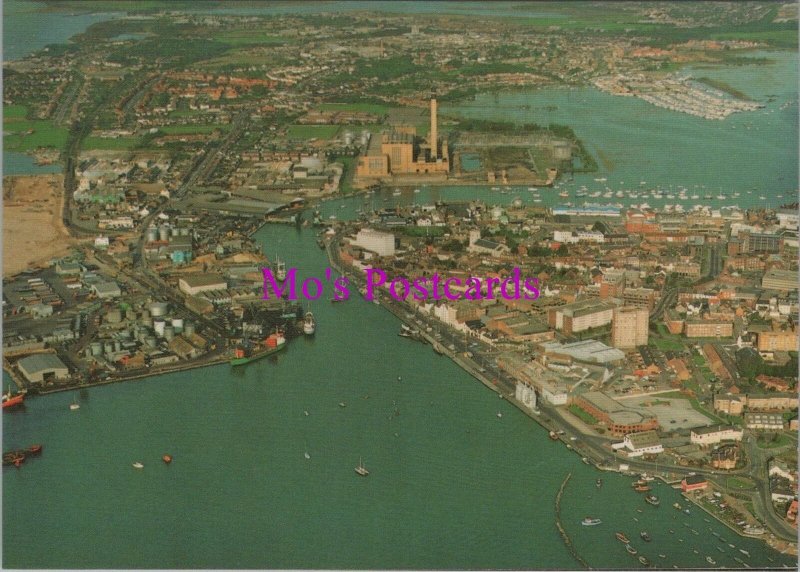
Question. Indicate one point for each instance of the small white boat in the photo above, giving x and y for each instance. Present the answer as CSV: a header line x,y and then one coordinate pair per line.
x,y
74,406
138,465
416,191
305,413
306,455
499,414
361,470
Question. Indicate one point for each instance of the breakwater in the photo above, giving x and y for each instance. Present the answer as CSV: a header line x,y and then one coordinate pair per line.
x,y
565,537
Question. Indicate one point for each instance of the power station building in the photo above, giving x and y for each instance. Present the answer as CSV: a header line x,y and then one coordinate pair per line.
x,y
401,152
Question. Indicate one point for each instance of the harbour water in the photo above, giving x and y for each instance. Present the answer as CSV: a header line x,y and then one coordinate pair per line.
x,y
451,485
28,26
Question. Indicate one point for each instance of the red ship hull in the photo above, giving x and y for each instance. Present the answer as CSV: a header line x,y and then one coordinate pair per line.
x,y
15,400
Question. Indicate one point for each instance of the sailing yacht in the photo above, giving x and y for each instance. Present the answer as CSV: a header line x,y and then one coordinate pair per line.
x,y
360,469
280,269
309,324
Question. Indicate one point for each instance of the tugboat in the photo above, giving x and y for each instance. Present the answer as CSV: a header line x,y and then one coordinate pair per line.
x,y
631,549
652,499
598,483
244,354
676,506
360,469
589,521
12,400
641,488
710,560
644,561
621,537
645,536
309,325
167,459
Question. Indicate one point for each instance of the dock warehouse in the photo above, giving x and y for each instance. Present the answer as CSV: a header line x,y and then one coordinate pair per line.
x,y
40,368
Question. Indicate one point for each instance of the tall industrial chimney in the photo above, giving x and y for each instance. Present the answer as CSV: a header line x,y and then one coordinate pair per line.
x,y
434,134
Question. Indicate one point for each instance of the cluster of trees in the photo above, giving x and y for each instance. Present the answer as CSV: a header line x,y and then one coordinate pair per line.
x,y
750,364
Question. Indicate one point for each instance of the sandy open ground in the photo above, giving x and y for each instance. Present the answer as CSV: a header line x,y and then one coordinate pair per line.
x,y
33,231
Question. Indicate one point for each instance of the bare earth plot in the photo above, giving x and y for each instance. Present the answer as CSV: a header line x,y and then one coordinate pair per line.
x,y
33,232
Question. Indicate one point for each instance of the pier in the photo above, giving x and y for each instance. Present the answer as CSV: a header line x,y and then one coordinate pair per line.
x,y
564,536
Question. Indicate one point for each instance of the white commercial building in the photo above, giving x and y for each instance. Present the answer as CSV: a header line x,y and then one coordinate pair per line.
x,y
525,394
574,237
642,443
715,434
381,243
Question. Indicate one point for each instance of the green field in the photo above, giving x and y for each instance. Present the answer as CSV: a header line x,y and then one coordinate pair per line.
x,y
250,37
237,57
582,415
778,38
312,131
183,113
666,344
110,144
14,112
191,129
376,108
28,134
773,441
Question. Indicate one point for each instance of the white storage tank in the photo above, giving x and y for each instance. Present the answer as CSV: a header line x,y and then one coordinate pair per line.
x,y
158,327
158,309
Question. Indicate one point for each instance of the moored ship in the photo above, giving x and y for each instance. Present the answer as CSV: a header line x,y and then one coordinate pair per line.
x,y
244,354
12,400
589,521
652,499
621,537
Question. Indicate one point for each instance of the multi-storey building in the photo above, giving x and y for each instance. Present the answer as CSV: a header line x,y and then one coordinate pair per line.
x,y
629,327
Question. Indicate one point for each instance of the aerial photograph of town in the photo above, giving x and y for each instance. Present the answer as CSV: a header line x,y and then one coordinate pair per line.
x,y
370,285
